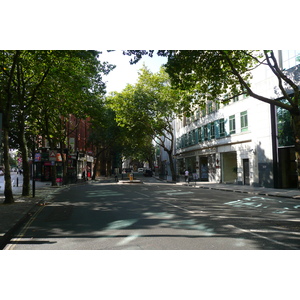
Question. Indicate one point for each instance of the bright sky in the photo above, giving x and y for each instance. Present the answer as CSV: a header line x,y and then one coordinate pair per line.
x,y
124,72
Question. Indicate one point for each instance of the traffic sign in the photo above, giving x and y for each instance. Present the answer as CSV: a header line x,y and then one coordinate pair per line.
x,y
52,155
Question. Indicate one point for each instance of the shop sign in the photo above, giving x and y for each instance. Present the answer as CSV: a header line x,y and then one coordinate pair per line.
x,y
58,157
37,157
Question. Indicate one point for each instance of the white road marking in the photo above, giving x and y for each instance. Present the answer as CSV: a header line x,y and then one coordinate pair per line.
x,y
189,211
145,195
261,236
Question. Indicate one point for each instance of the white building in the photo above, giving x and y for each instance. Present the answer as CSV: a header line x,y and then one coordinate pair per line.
x,y
233,143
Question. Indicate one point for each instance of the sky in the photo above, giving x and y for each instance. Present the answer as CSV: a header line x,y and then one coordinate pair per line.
x,y
125,73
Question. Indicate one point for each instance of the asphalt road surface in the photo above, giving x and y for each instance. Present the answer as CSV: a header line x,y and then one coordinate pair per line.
x,y
157,215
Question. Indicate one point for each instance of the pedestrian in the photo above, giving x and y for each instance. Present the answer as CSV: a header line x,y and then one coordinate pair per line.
x,y
186,176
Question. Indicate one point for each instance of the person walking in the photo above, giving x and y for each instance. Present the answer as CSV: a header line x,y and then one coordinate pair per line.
x,y
186,176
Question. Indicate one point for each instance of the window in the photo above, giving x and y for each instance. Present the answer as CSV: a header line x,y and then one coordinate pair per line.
x,y
178,143
212,130
244,121
225,100
184,143
200,137
236,98
205,132
232,124
189,138
222,127
194,137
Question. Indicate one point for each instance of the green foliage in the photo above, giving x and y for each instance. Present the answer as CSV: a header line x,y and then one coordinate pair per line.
x,y
147,110
220,75
49,86
41,89
148,107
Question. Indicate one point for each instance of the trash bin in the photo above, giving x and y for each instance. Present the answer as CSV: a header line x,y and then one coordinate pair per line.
x,y
131,177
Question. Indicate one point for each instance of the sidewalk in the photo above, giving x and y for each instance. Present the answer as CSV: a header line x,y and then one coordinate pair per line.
x,y
285,193
12,215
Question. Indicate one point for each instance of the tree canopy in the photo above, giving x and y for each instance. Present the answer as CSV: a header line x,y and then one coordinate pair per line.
x,y
148,107
221,75
41,88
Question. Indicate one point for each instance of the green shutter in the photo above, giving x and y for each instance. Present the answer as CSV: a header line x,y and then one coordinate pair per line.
x,y
217,129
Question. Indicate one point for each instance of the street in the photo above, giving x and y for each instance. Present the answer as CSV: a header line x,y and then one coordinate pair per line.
x,y
154,215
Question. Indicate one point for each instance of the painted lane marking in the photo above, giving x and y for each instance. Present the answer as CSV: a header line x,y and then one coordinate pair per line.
x,y
262,236
145,195
166,191
189,211
103,193
256,201
179,193
120,224
24,230
173,192
128,239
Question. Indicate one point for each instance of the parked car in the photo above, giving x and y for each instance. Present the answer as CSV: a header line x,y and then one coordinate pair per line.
x,y
140,170
1,172
148,173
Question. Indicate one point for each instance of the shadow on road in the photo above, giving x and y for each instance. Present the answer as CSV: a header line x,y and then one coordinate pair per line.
x,y
106,210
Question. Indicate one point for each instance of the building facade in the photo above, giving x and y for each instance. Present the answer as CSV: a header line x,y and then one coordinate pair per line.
x,y
237,142
226,144
76,154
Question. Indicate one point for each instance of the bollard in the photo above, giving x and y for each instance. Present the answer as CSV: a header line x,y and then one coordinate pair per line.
x,y
131,177
17,181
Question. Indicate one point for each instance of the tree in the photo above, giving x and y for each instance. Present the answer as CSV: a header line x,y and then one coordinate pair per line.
x,y
55,83
147,109
209,75
6,102
72,88
104,136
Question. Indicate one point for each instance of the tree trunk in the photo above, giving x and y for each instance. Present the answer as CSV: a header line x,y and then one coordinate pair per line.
x,y
6,109
26,173
96,165
296,128
8,188
53,175
172,167
25,166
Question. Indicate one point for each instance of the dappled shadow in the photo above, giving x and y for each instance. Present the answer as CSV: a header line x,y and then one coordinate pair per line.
x,y
108,211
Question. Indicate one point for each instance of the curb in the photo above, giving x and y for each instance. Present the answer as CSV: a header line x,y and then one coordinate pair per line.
x,y
7,236
225,189
251,192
